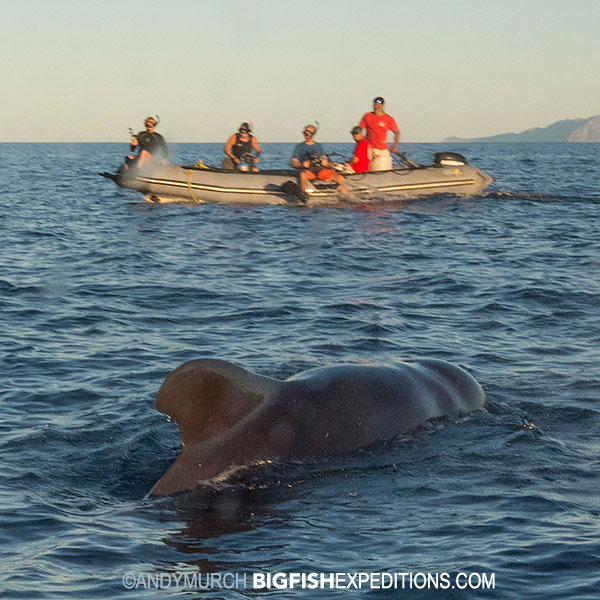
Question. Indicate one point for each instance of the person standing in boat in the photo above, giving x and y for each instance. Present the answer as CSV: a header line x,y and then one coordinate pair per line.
x,y
239,149
313,163
361,159
377,124
150,145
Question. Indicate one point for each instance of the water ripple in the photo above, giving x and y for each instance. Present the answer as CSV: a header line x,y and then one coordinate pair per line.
x,y
103,295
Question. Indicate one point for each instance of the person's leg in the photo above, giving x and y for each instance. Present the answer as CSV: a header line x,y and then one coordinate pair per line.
x,y
145,158
339,179
386,160
304,178
381,161
376,162
331,175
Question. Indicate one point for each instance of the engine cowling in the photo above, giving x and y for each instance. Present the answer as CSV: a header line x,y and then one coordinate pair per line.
x,y
449,159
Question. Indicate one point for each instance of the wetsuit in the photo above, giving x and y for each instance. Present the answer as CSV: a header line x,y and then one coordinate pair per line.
x,y
240,148
154,143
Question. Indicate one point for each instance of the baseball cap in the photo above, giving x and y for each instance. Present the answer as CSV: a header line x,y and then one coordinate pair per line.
x,y
379,100
356,129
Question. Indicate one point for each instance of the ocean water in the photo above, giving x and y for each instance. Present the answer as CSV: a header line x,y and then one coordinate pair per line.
x,y
102,295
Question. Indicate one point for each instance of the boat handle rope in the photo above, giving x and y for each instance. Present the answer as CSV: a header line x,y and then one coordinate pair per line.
x,y
189,184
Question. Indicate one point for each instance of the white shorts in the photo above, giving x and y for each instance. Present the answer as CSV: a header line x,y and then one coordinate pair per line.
x,y
381,160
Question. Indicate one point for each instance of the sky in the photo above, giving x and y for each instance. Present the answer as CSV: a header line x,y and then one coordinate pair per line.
x,y
86,70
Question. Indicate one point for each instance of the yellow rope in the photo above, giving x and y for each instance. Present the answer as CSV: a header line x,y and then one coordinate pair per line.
x,y
189,184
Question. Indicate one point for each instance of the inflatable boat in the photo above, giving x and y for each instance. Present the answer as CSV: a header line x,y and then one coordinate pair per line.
x,y
449,174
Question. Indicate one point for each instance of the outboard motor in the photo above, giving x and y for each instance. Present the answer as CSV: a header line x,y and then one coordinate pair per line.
x,y
449,159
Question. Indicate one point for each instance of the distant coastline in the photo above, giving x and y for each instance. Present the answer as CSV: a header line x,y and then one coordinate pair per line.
x,y
569,130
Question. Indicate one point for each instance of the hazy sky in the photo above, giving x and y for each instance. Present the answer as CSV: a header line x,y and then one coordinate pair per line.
x,y
86,70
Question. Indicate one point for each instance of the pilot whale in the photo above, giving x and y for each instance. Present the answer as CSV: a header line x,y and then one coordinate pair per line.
x,y
230,417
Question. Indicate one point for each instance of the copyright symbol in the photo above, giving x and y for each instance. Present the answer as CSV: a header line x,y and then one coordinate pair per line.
x,y
129,580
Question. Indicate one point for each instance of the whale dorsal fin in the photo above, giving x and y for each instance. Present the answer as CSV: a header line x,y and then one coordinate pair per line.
x,y
207,397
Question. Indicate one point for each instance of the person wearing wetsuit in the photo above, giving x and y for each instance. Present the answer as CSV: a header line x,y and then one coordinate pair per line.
x,y
239,150
151,146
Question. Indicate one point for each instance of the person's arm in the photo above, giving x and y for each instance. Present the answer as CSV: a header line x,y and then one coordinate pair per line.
x,y
135,142
396,131
355,158
396,141
323,158
295,162
228,147
257,149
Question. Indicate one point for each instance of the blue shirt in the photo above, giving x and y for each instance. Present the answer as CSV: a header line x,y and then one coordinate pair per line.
x,y
306,151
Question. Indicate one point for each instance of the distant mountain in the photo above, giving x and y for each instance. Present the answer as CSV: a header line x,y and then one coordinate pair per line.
x,y
588,132
570,130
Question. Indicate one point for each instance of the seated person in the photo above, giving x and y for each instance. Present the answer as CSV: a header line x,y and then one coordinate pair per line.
x,y
359,163
310,157
150,145
239,149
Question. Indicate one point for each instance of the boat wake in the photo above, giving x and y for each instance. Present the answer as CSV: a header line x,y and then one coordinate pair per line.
x,y
539,197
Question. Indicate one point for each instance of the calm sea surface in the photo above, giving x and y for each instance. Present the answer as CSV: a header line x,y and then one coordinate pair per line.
x,y
101,296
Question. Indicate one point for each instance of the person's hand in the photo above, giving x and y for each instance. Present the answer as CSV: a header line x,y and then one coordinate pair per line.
x,y
256,159
394,148
306,164
237,161
134,141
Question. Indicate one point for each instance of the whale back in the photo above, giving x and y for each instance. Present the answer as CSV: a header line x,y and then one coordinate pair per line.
x,y
458,391
231,417
208,397
351,406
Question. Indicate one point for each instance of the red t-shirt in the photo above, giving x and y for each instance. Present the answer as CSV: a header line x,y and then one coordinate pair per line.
x,y
377,128
362,153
